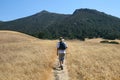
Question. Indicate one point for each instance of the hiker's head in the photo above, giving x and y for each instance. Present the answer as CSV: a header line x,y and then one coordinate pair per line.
x,y
61,39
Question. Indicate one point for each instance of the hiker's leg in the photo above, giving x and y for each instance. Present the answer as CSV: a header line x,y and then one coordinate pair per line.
x,y
61,58
60,63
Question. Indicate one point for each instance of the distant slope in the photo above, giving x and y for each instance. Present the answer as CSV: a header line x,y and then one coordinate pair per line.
x,y
83,23
87,23
34,23
23,57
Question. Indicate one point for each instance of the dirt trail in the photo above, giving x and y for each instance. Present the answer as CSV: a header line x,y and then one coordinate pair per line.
x,y
58,73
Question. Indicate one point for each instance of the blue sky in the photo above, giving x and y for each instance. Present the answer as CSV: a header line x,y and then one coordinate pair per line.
x,y
14,9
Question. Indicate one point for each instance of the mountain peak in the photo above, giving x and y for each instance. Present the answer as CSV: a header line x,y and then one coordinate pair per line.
x,y
44,11
77,11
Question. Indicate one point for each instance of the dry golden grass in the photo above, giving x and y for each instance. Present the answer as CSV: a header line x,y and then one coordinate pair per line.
x,y
91,60
23,57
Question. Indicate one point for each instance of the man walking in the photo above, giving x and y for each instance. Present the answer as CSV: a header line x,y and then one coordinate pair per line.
x,y
61,51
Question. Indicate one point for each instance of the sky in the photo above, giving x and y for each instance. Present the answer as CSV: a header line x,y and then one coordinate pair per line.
x,y
14,9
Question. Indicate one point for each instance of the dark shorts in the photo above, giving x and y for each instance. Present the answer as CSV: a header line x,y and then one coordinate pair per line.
x,y
61,56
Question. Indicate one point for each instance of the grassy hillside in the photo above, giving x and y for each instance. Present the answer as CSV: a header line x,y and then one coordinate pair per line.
x,y
91,60
23,57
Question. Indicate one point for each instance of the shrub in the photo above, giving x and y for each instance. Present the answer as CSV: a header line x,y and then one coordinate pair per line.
x,y
114,42
104,41
109,42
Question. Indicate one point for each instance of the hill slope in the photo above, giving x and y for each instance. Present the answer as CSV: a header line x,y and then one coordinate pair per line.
x,y
91,60
83,23
86,23
23,57
34,23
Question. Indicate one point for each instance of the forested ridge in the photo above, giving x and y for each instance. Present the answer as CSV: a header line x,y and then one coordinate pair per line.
x,y
83,23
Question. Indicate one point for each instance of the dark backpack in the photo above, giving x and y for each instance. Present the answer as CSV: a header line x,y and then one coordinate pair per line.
x,y
62,46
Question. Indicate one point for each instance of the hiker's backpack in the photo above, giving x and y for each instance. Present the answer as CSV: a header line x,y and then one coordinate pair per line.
x,y
62,46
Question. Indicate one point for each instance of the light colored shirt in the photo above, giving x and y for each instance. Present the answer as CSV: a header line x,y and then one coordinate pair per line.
x,y
61,51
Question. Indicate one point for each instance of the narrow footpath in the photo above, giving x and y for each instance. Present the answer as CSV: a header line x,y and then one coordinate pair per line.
x,y
58,73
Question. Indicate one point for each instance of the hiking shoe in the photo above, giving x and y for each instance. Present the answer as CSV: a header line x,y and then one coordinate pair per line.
x,y
61,67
